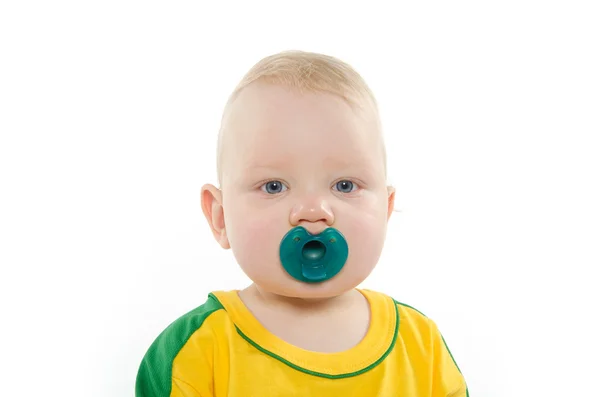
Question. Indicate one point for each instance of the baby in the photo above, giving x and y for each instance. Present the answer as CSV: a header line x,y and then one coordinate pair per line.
x,y
304,205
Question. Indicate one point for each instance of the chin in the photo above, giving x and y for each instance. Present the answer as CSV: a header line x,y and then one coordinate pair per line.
x,y
292,288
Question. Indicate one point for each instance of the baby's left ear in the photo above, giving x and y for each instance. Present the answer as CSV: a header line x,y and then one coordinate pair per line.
x,y
391,197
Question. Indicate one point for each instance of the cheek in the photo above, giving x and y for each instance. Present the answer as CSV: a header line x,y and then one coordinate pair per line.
x,y
365,229
255,236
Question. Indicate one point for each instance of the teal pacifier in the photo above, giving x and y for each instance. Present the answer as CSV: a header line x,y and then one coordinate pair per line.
x,y
313,258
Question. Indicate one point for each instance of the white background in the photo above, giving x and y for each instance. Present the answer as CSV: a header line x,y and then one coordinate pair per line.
x,y
108,119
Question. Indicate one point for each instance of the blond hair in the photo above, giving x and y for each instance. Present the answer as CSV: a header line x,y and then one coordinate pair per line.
x,y
305,72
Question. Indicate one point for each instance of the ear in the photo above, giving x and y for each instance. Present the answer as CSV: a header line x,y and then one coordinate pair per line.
x,y
211,200
391,198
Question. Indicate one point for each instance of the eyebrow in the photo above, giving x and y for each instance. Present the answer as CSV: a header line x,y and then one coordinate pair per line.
x,y
264,166
351,169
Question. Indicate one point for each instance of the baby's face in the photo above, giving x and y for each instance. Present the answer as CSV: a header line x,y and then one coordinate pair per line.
x,y
308,160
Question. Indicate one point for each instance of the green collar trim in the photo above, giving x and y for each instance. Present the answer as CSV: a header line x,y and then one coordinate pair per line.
x,y
321,374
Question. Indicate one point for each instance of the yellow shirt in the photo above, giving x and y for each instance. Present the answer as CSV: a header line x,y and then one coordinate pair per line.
x,y
220,349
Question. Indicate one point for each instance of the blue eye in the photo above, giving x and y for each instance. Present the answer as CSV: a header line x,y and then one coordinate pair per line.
x,y
273,187
345,186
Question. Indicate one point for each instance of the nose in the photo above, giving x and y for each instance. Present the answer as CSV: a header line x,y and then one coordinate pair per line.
x,y
312,210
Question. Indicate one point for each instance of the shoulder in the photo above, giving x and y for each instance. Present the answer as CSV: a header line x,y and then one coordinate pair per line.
x,y
414,328
422,337
175,336
408,316
412,318
156,369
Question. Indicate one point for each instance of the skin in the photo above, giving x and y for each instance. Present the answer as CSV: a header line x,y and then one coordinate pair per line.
x,y
310,160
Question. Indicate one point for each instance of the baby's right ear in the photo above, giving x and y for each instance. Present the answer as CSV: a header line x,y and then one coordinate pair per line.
x,y
211,200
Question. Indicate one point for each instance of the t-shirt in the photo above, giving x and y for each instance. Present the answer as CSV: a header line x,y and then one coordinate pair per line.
x,y
220,349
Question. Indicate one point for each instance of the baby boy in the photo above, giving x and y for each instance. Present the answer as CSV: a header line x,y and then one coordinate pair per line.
x,y
303,203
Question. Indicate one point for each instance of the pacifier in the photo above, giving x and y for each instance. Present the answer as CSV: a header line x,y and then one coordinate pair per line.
x,y
313,258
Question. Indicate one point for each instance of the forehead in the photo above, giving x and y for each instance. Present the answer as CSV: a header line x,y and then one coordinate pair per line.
x,y
273,126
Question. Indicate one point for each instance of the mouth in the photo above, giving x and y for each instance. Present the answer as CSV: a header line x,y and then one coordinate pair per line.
x,y
314,231
312,257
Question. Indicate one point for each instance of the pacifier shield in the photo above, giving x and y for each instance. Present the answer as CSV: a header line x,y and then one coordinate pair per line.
x,y
313,258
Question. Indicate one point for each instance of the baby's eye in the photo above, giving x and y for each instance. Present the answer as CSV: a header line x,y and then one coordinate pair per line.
x,y
345,186
273,187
